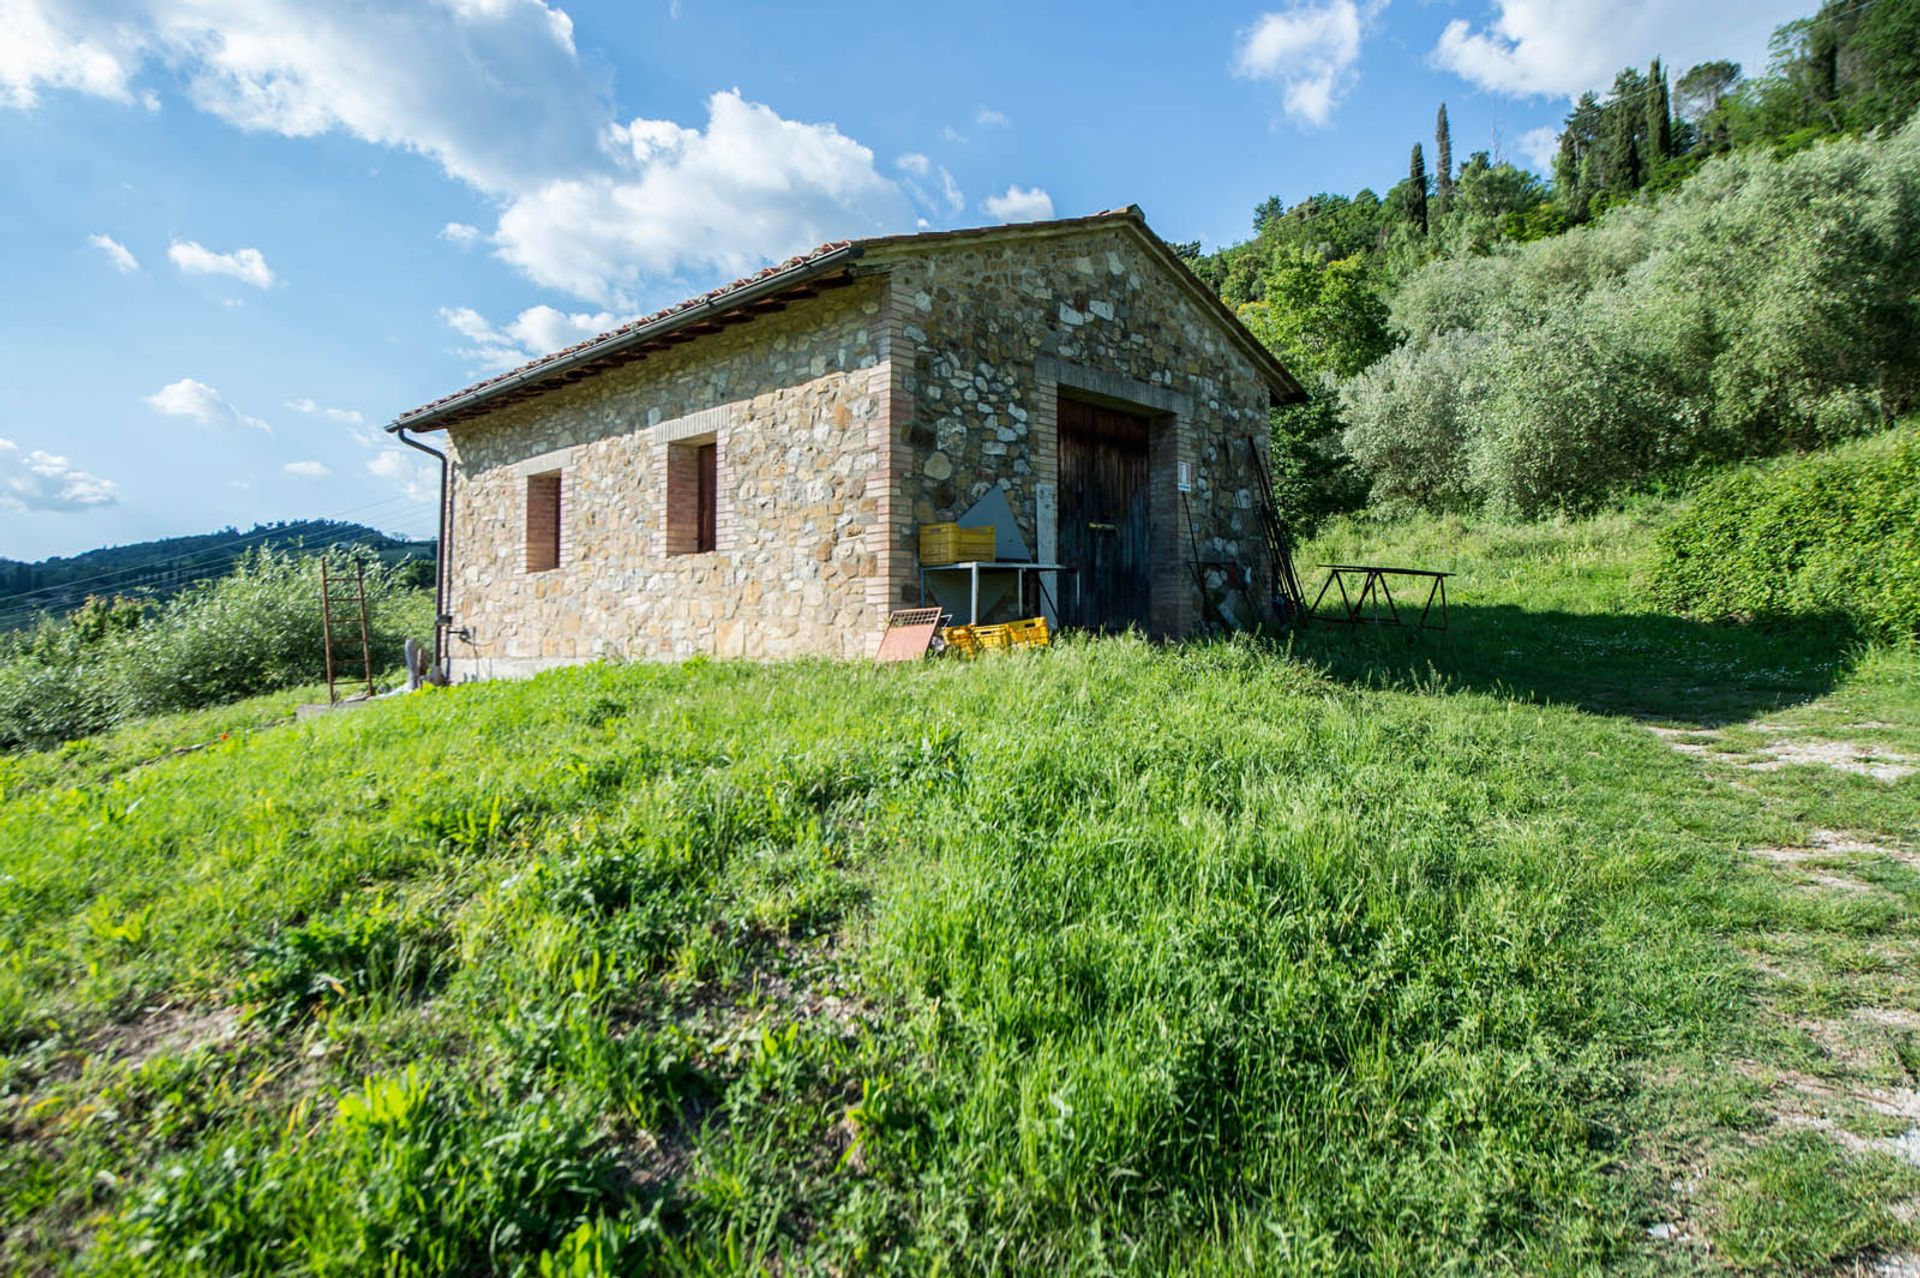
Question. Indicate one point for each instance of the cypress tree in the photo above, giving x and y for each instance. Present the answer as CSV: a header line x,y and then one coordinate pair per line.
x,y
1566,173
1443,156
1417,189
1659,115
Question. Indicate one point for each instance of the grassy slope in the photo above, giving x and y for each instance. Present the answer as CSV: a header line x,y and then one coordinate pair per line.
x,y
1370,957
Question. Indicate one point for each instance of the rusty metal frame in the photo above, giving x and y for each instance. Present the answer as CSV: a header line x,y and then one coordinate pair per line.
x,y
1373,603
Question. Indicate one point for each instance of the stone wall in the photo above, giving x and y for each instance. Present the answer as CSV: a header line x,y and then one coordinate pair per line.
x,y
842,424
795,402
987,335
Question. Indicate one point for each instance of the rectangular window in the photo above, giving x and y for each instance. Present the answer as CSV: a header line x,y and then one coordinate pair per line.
x,y
693,497
706,512
543,521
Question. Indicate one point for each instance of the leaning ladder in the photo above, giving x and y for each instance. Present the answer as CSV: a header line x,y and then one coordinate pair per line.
x,y
336,594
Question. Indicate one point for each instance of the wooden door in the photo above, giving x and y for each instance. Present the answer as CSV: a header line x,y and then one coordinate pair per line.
x,y
1104,529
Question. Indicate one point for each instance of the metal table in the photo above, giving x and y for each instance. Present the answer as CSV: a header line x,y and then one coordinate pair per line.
x,y
1372,589
1019,568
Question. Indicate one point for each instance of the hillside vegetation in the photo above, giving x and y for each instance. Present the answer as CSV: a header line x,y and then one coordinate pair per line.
x,y
1835,533
1722,266
156,570
256,629
1359,957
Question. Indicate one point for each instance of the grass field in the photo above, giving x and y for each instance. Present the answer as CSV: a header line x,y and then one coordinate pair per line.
x,y
1578,938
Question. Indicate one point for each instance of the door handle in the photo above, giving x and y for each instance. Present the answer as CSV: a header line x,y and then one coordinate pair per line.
x,y
1103,527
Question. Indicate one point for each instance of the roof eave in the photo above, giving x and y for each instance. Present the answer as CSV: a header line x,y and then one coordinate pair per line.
x,y
431,417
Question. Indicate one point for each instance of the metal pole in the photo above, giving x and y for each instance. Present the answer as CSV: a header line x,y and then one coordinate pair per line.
x,y
326,629
366,641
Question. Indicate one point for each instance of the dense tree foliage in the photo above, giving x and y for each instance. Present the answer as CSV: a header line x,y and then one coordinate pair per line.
x,y
1768,304
1530,369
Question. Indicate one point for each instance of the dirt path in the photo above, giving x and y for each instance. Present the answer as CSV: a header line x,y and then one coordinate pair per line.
x,y
1861,1086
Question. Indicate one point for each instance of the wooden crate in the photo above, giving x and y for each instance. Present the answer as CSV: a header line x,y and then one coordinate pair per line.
x,y
952,544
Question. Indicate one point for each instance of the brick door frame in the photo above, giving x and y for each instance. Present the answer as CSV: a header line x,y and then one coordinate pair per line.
x,y
1173,605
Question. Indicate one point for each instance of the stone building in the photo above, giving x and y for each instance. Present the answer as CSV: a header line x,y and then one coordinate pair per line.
x,y
745,474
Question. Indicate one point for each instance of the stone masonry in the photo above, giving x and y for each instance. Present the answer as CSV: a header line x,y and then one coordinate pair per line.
x,y
841,422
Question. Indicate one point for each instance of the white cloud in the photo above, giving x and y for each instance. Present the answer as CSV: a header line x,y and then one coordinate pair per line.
x,y
39,481
536,331
461,233
1019,204
122,258
952,134
412,474
1309,50
351,416
988,118
246,265
752,186
307,469
50,46
1561,48
495,92
204,404
948,197
1540,146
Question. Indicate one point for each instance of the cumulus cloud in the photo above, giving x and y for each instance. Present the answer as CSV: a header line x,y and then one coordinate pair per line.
x,y
1309,50
307,469
750,187
988,118
202,403
461,233
494,92
40,481
50,46
1561,48
1539,147
1019,204
312,408
413,475
119,254
915,163
536,331
246,265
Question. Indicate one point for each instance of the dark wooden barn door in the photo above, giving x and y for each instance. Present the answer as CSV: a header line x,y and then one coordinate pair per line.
x,y
1103,516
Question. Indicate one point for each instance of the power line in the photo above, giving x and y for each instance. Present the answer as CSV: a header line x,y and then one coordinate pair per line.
x,y
204,556
240,541
10,616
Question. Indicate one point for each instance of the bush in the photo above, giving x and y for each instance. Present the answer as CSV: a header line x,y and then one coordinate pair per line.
x,y
1767,305
1836,533
256,630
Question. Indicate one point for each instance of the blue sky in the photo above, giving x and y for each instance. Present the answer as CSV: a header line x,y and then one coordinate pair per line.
x,y
239,236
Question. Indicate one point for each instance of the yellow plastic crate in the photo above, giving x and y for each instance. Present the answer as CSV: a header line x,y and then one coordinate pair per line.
x,y
952,544
971,641
1030,633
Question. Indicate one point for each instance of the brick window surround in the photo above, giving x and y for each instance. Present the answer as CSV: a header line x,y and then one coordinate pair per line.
x,y
693,496
543,521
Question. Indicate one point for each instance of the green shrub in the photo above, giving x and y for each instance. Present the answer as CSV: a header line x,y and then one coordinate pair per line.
x,y
256,630
1836,533
1766,306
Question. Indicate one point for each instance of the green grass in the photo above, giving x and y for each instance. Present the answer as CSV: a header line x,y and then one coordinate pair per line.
x,y
1354,956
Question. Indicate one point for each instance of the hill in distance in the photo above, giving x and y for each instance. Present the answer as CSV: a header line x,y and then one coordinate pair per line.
x,y
156,569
